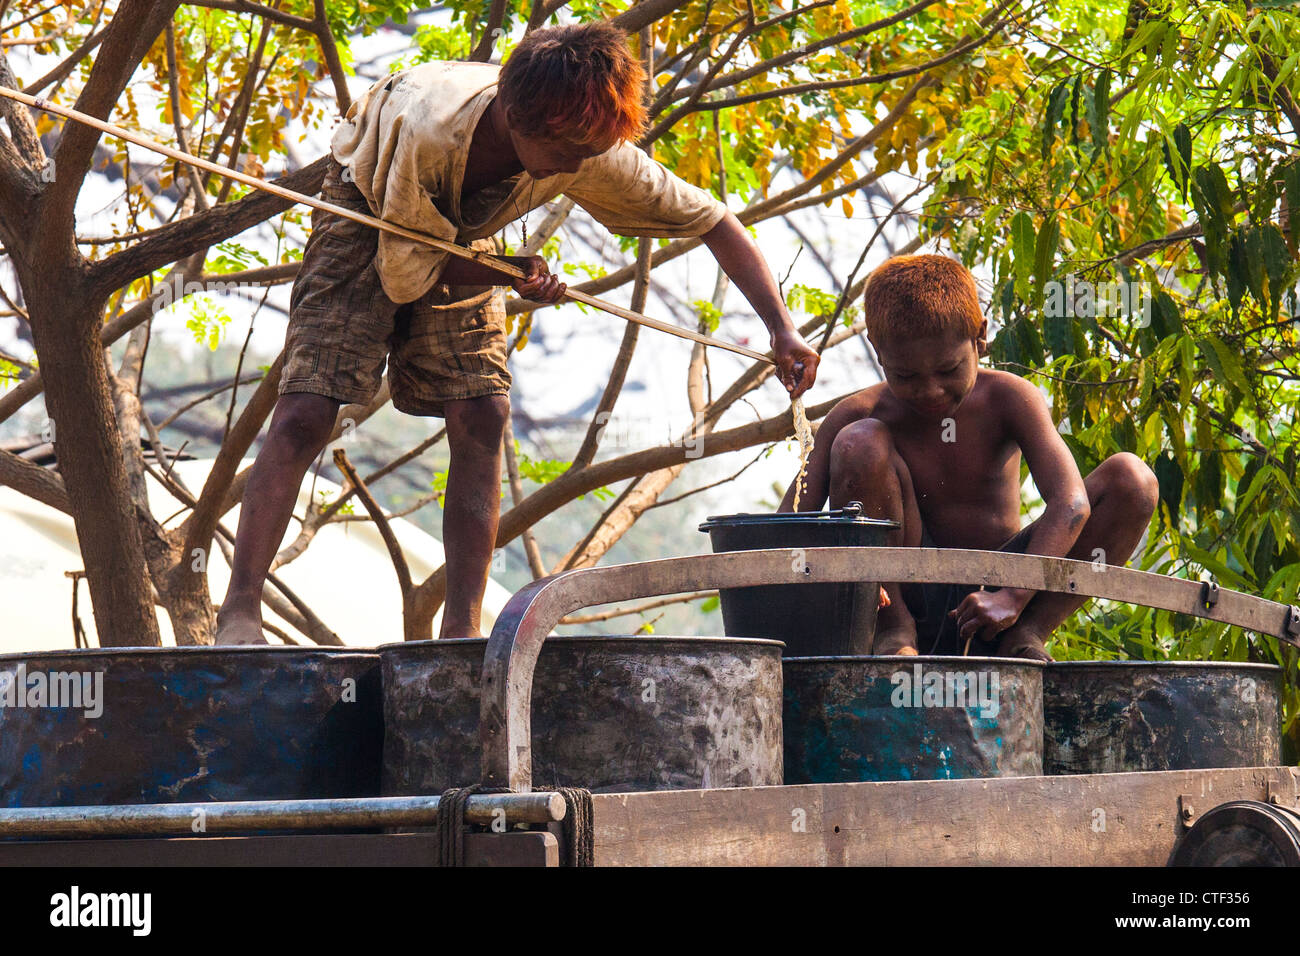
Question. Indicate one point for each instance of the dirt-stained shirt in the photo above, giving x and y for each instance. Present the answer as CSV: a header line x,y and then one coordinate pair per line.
x,y
406,141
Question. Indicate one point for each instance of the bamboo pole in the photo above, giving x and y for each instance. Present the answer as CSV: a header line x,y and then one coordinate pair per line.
x,y
472,255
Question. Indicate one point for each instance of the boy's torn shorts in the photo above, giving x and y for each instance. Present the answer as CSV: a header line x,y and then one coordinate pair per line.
x,y
448,345
929,604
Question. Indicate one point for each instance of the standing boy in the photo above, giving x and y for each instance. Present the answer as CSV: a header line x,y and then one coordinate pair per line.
x,y
937,447
458,150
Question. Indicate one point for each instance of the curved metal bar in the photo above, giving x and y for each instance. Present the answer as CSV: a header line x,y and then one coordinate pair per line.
x,y
533,612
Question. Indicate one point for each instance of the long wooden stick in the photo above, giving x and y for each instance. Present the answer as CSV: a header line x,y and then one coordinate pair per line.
x,y
483,258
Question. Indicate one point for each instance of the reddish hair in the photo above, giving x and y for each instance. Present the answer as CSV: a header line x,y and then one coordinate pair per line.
x,y
911,297
579,83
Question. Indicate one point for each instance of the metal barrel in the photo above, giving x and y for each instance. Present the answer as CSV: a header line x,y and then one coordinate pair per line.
x,y
609,714
1120,716
190,724
810,619
912,718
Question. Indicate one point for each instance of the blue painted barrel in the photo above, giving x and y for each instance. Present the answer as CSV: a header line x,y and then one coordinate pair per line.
x,y
911,718
192,724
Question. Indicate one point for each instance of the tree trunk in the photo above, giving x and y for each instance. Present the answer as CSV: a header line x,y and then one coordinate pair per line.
x,y
79,401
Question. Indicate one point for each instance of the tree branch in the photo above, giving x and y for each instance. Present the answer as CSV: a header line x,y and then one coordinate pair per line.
x,y
127,39
203,230
646,13
482,51
635,608
22,127
381,522
266,13
201,524
30,479
33,385
325,36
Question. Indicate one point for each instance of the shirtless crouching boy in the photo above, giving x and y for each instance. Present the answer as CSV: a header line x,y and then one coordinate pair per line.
x,y
937,447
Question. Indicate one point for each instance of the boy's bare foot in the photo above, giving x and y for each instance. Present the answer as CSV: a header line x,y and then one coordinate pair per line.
x,y
895,640
1021,644
237,629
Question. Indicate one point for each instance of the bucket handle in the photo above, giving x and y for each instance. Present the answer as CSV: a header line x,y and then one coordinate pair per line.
x,y
505,717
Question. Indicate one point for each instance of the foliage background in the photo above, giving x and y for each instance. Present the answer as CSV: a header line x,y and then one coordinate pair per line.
x,y
1147,141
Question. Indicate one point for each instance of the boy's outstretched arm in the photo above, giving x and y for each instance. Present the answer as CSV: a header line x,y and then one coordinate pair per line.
x,y
742,261
984,614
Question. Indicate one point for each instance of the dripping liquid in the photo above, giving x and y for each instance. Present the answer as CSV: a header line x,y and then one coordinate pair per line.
x,y
803,432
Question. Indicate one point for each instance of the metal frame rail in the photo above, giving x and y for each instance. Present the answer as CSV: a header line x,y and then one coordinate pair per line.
x,y
505,720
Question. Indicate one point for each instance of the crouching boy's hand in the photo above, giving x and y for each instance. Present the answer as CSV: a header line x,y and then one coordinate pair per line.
x,y
985,614
538,284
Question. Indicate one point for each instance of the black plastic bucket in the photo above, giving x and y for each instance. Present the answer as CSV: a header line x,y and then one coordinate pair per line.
x,y
814,620
1126,716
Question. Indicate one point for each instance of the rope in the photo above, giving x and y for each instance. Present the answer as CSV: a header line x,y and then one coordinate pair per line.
x,y
451,822
578,827
578,824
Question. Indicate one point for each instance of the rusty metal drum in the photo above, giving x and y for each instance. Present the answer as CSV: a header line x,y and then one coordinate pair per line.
x,y
912,718
191,724
609,714
1120,716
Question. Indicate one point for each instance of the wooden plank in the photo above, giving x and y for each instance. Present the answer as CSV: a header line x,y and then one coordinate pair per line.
x,y
334,849
1124,819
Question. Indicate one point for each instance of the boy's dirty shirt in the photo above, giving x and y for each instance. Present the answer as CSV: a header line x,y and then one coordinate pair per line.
x,y
406,141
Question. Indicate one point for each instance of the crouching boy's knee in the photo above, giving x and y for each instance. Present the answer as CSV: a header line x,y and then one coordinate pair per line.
x,y
1131,480
863,446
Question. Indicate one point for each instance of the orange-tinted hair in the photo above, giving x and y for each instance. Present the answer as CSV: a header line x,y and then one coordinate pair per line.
x,y
911,297
580,83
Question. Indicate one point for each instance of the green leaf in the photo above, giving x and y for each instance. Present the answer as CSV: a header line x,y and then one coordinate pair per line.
x,y
1276,265
1249,484
1023,240
1057,333
1209,484
1055,110
1216,196
1265,552
543,471
439,485
1170,477
1226,365
709,317
1099,112
1166,319
1049,236
1030,343
1008,299
1178,157
1075,94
